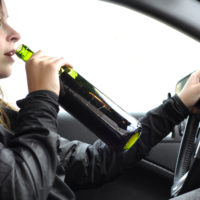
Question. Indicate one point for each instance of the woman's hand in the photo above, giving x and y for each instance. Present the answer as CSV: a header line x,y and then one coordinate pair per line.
x,y
43,72
191,91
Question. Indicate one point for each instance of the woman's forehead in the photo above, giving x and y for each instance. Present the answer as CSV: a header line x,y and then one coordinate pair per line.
x,y
3,9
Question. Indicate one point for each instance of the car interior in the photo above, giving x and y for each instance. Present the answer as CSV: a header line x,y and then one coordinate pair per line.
x,y
157,176
171,169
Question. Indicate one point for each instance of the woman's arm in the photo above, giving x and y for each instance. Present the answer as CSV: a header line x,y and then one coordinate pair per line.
x,y
87,165
93,164
28,158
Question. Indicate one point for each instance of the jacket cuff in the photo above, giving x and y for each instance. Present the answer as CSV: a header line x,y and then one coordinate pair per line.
x,y
181,105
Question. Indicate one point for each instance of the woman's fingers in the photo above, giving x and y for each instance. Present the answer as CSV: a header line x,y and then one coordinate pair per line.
x,y
42,72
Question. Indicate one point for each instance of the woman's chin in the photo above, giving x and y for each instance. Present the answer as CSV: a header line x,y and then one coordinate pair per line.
x,y
5,74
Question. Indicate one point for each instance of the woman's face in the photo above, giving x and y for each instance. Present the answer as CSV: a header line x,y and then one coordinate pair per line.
x,y
8,38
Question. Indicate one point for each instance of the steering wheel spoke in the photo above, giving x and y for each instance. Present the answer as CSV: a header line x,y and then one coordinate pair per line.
x,y
188,158
177,186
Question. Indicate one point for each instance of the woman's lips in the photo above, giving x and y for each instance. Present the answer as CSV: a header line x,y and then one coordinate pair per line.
x,y
10,54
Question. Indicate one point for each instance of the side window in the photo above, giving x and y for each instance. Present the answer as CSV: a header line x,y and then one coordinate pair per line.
x,y
132,58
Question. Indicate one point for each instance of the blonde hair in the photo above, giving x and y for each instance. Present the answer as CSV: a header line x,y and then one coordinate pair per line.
x,y
4,119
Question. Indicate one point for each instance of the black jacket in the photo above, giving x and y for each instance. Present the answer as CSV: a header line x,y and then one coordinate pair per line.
x,y
36,163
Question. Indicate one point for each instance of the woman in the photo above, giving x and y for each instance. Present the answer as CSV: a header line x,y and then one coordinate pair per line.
x,y
35,162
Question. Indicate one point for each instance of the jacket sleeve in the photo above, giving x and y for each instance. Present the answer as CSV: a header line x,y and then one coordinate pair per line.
x,y
87,165
28,155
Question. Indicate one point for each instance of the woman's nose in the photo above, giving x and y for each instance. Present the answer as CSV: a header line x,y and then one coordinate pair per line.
x,y
12,35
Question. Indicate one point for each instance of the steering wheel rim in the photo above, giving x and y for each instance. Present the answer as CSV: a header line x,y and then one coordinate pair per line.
x,y
183,170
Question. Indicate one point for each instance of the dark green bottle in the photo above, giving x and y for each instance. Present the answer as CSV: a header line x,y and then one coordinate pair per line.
x,y
91,107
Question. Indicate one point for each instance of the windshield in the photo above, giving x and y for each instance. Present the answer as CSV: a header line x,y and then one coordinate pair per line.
x,y
132,58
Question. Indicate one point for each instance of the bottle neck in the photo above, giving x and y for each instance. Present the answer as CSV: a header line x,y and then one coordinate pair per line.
x,y
24,52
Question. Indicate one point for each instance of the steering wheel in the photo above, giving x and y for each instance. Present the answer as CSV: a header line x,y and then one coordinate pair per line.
x,y
188,161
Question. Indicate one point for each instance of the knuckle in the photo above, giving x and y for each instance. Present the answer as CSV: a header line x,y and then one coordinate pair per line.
x,y
31,61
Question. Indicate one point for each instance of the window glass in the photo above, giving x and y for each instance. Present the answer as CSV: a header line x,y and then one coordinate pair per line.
x,y
132,58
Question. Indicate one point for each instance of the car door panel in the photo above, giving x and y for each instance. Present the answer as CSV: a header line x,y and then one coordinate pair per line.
x,y
163,154
151,177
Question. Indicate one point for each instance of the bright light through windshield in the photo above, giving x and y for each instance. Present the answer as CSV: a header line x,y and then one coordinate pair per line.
x,y
132,58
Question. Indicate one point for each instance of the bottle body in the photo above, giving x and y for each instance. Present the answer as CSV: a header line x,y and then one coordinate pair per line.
x,y
94,109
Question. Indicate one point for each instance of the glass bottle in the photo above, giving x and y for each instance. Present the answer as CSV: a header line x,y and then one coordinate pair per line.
x,y
95,110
